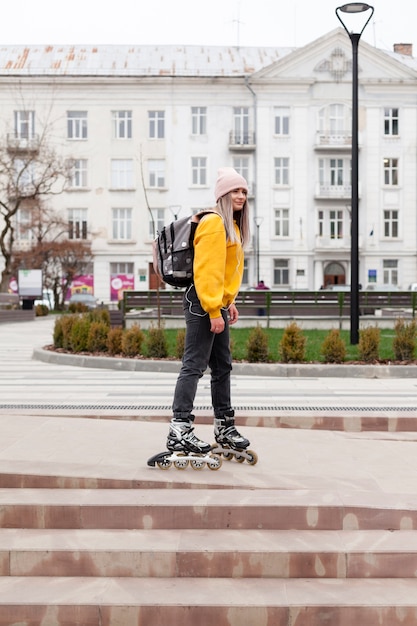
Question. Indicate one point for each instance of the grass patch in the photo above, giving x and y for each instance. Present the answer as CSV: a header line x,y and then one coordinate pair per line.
x,y
315,338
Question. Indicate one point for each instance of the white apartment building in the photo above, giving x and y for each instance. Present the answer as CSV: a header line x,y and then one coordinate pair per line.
x,y
148,127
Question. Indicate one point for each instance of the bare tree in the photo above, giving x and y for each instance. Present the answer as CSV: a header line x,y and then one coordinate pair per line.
x,y
30,173
60,258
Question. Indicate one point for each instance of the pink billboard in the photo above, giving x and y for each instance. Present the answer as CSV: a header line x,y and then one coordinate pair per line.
x,y
120,283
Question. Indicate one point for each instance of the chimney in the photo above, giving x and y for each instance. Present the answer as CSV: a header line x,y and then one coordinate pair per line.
x,y
404,48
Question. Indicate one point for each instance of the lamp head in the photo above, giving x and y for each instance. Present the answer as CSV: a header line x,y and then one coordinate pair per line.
x,y
352,9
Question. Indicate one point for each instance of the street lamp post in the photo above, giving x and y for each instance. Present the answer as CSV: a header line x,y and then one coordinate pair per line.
x,y
258,221
354,8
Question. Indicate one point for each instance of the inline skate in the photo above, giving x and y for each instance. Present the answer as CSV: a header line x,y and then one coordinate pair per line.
x,y
185,448
229,442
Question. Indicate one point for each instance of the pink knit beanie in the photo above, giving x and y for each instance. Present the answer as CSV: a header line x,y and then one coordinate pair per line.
x,y
228,180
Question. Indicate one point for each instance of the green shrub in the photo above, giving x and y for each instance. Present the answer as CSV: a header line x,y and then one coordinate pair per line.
x,y
404,342
368,347
132,341
292,344
156,343
257,346
114,341
180,343
333,347
100,315
97,336
41,310
78,307
79,334
67,322
58,334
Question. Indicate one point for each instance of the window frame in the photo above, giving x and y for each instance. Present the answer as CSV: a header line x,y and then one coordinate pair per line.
x,y
77,125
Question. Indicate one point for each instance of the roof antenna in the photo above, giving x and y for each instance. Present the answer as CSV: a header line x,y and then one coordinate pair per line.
x,y
238,23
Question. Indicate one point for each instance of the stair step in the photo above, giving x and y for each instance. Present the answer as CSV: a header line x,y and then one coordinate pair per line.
x,y
272,509
211,554
214,602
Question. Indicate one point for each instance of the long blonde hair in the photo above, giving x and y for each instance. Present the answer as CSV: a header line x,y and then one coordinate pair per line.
x,y
224,208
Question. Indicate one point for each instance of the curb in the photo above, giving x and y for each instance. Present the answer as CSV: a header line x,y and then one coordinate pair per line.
x,y
277,370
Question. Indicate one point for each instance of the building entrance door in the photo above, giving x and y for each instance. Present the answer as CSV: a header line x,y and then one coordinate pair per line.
x,y
334,274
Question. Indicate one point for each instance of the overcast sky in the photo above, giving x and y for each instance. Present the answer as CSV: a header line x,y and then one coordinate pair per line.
x,y
206,22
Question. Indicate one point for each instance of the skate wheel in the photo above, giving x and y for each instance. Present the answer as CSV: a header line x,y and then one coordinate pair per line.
x,y
181,464
228,456
164,464
215,462
254,457
239,458
197,464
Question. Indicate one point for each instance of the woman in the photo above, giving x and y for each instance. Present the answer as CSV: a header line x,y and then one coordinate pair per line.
x,y
209,307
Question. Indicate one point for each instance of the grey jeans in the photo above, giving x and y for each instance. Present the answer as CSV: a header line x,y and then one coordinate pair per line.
x,y
202,348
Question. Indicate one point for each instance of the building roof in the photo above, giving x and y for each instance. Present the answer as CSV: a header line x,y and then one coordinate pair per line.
x,y
125,60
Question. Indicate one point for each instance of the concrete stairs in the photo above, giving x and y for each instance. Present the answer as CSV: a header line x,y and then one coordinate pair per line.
x,y
251,557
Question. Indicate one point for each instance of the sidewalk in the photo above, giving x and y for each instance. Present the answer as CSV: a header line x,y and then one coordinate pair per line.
x,y
47,425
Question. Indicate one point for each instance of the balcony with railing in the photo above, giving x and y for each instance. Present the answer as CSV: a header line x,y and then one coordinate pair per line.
x,y
326,191
242,142
20,143
326,243
331,140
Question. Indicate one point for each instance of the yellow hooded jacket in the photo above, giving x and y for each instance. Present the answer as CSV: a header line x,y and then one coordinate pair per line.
x,y
218,265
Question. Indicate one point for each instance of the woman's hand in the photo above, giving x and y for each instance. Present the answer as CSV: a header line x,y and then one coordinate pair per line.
x,y
233,314
217,325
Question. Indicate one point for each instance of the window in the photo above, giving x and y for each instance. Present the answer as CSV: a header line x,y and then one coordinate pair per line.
x,y
198,120
334,173
334,120
157,222
282,121
24,172
78,174
336,224
77,124
156,124
199,171
282,169
245,277
156,169
391,223
122,174
77,223
390,171
241,125
331,223
390,267
24,124
122,124
23,231
282,222
241,165
121,268
281,272
391,121
122,224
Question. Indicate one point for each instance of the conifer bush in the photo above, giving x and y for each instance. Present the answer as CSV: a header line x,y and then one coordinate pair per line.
x,y
156,343
404,343
58,333
132,341
333,347
67,322
97,336
180,343
79,334
292,345
257,346
368,347
114,341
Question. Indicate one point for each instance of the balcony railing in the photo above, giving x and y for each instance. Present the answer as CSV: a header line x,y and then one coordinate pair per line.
x,y
242,141
331,243
18,143
333,192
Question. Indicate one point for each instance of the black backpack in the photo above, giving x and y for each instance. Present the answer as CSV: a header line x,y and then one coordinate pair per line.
x,y
173,250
